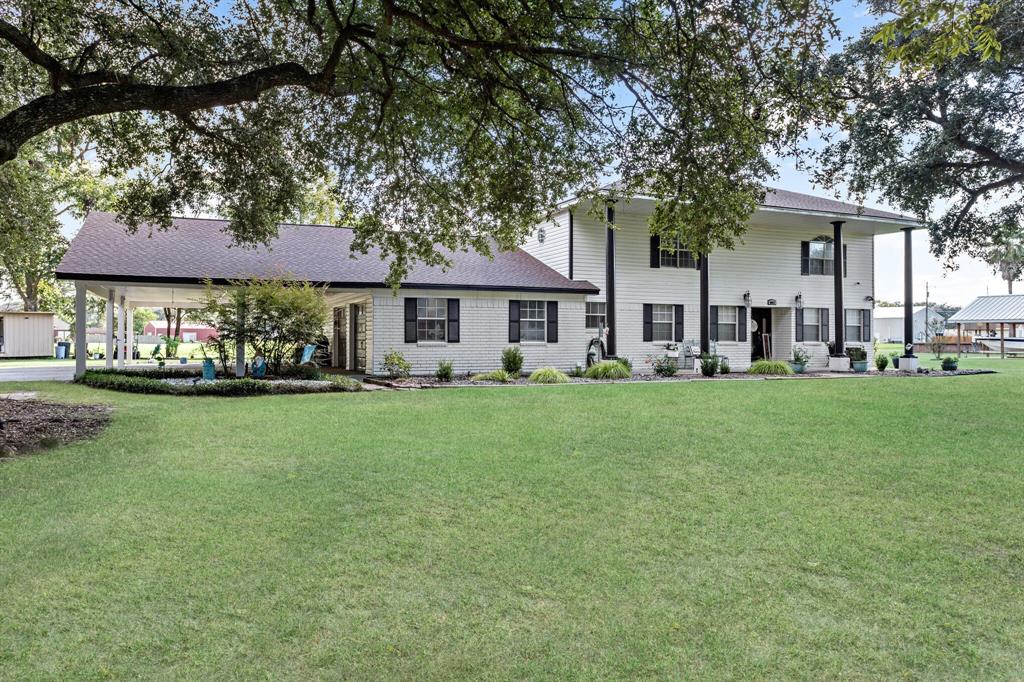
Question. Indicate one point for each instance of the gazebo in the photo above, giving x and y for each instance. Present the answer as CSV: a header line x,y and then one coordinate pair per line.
x,y
986,312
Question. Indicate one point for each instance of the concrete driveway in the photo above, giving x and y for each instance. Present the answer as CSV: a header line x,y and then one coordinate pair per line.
x,y
40,373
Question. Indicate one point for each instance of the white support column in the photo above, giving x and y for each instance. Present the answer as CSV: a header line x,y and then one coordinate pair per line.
x,y
121,332
130,335
109,350
81,345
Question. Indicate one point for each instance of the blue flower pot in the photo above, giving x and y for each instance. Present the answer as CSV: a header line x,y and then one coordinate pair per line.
x,y
209,373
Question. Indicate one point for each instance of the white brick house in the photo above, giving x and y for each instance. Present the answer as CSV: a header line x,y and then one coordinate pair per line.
x,y
774,290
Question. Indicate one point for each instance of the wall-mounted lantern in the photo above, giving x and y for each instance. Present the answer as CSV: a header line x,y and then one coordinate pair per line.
x,y
799,301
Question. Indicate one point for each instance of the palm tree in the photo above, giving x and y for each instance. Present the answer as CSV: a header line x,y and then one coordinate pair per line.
x,y
1006,255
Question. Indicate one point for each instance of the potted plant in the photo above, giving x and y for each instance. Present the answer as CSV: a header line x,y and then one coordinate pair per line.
x,y
950,364
895,358
858,358
209,371
182,360
800,358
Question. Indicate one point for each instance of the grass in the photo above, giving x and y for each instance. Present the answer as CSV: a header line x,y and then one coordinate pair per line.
x,y
810,529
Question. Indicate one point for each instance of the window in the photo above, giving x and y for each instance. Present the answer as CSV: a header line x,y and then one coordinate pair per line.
x,y
854,325
727,322
431,316
663,319
531,321
820,256
673,256
596,314
812,324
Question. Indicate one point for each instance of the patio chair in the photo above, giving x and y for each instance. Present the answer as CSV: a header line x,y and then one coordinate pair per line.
x,y
307,354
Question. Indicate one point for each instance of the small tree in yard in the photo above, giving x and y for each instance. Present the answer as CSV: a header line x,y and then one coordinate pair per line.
x,y
272,316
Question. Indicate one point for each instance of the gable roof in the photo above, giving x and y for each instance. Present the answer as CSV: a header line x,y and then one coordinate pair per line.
x,y
1005,308
196,249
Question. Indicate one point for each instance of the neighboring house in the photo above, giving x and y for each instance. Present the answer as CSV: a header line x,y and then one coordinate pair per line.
x,y
190,332
889,323
26,334
777,289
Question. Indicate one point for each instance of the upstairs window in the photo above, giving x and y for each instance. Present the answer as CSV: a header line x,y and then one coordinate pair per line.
x,y
817,257
673,255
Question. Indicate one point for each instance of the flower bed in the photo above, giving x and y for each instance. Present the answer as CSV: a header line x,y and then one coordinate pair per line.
x,y
189,382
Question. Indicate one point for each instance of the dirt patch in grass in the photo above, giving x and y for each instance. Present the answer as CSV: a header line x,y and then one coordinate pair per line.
x,y
27,425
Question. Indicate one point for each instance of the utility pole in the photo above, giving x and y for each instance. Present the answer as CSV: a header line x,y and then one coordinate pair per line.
x,y
927,317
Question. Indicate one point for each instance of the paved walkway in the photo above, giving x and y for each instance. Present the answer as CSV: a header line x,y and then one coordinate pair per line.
x,y
41,373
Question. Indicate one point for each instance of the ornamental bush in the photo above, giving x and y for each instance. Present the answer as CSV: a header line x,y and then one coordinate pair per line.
x,y
499,376
664,366
881,362
395,365
445,370
512,360
608,369
771,368
148,382
548,375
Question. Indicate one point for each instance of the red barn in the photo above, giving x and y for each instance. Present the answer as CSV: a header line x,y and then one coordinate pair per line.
x,y
190,332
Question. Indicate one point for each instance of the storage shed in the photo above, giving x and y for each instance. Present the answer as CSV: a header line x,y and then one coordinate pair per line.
x,y
25,335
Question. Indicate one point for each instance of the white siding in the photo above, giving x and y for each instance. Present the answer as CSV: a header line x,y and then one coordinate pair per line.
x,y
483,333
27,334
555,250
766,263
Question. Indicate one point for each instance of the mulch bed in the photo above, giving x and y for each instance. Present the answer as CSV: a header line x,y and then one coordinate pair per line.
x,y
27,425
431,382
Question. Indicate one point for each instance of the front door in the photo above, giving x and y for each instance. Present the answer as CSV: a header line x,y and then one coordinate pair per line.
x,y
760,333
358,315
339,353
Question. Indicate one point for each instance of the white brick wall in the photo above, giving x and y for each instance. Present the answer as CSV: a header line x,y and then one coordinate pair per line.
x,y
483,322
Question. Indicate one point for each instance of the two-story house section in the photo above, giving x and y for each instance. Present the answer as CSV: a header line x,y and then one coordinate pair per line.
x,y
802,274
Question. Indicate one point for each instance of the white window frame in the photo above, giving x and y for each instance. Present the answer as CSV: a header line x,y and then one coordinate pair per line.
x,y
816,326
430,310
603,315
827,255
859,326
533,316
673,257
734,324
663,310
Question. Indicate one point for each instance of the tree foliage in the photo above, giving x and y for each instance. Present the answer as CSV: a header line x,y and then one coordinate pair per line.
x,y
1006,254
444,123
933,32
274,317
943,141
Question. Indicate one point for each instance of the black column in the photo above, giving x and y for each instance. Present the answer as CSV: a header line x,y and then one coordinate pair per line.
x,y
908,292
570,242
705,306
609,275
837,274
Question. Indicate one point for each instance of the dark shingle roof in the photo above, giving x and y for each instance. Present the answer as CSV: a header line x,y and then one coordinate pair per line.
x,y
197,249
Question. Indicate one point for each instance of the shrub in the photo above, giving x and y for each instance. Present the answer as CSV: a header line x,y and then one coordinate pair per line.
x,y
723,365
608,369
949,364
708,364
445,370
625,362
577,371
800,355
149,382
857,354
664,366
395,365
548,375
498,376
881,362
168,373
306,372
770,368
512,360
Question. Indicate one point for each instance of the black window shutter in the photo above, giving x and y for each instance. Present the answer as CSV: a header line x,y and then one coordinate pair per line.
x,y
805,258
824,324
655,251
453,320
866,328
679,323
513,321
648,322
799,325
846,270
552,321
741,326
410,320
713,322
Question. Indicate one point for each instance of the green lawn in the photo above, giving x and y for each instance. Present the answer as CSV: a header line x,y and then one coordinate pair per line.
x,y
814,529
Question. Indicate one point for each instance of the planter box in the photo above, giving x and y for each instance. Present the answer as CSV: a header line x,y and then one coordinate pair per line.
x,y
798,367
838,364
860,367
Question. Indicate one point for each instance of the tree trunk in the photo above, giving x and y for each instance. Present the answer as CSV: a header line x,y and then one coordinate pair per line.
x,y
177,322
